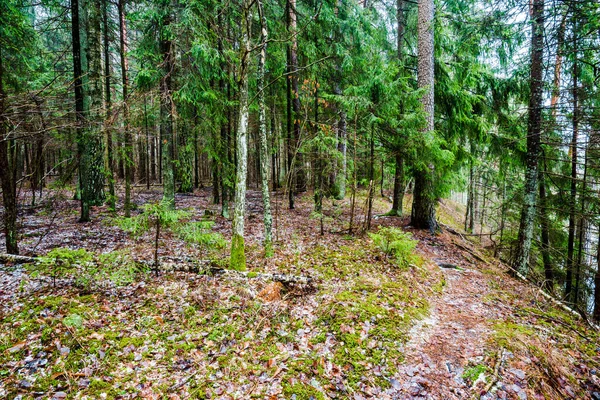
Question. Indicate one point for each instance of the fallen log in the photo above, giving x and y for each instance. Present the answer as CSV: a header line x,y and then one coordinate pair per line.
x,y
286,279
190,265
16,259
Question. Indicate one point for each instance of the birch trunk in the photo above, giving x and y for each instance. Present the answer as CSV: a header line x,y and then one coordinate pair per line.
x,y
262,127
238,256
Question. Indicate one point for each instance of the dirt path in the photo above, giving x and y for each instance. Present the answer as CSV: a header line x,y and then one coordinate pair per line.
x,y
455,334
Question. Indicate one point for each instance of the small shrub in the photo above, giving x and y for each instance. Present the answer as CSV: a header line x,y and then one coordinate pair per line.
x,y
200,233
394,242
73,321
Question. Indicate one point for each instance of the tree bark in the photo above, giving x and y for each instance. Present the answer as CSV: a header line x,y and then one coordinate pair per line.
x,y
570,264
7,178
398,191
107,118
545,235
521,258
95,178
238,256
398,196
262,127
78,35
166,113
125,83
424,199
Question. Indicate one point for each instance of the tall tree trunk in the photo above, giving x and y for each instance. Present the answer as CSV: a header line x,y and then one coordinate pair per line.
x,y
398,191
299,159
262,127
424,199
341,170
581,235
7,179
79,38
570,265
238,256
37,178
96,177
543,212
166,113
340,177
125,83
290,176
521,258
108,132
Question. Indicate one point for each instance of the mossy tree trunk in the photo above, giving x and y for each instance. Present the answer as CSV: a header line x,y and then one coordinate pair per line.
x,y
238,255
521,258
262,127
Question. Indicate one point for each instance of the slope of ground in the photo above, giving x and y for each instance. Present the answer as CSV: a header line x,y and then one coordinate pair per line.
x,y
447,325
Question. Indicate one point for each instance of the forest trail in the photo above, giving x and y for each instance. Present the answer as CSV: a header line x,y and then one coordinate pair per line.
x,y
452,325
455,333
461,350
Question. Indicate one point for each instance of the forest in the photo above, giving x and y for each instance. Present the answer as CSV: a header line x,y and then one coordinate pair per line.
x,y
300,199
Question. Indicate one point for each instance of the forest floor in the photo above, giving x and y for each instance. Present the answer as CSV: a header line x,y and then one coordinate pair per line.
x,y
446,323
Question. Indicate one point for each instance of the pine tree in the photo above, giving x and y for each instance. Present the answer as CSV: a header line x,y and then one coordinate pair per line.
x,y
424,201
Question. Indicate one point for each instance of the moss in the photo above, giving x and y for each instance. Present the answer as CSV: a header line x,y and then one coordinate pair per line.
x,y
471,374
439,286
507,333
238,256
302,392
268,249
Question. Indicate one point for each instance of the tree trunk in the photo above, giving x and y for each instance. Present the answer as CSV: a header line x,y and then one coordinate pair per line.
x,y
545,235
262,127
424,199
398,196
80,78
166,113
95,178
125,83
398,191
342,138
238,256
9,184
570,265
299,159
108,132
521,258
